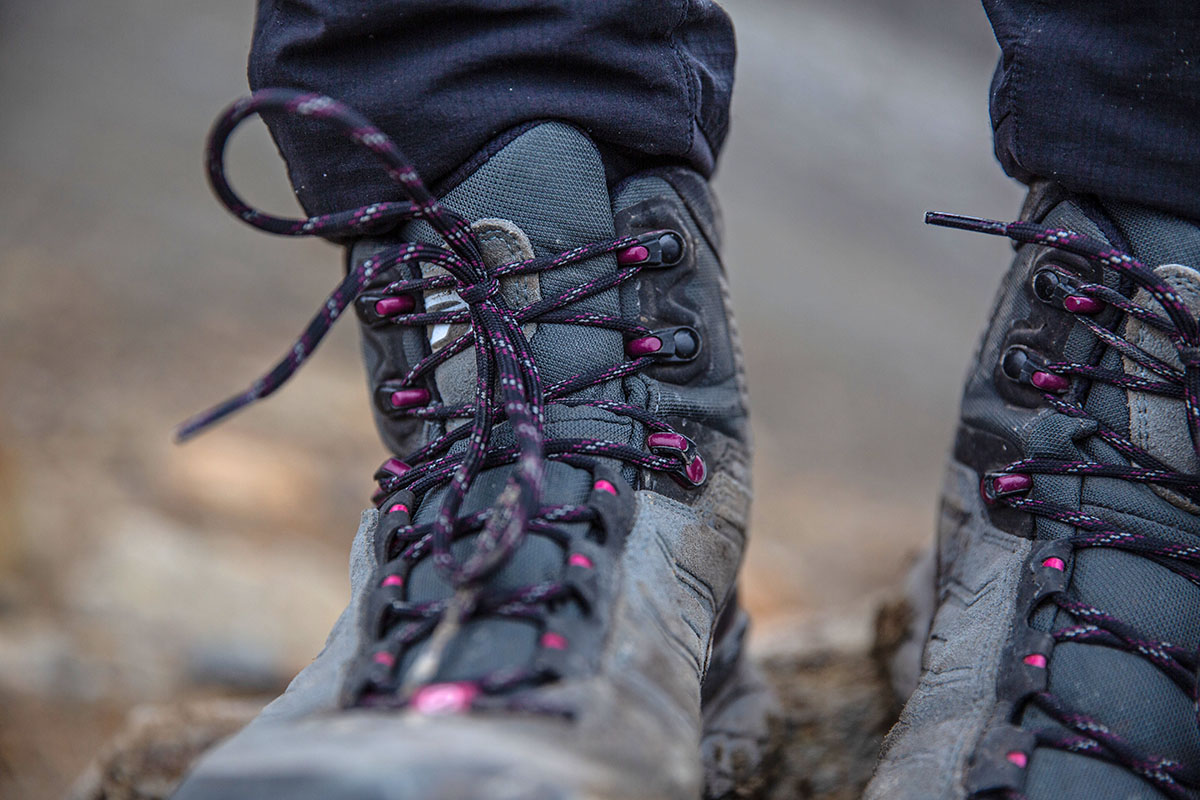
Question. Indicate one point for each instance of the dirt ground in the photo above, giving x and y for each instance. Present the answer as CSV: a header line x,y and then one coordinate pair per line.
x,y
133,571
836,709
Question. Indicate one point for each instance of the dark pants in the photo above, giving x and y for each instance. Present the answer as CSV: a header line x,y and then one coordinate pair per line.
x,y
647,79
1102,97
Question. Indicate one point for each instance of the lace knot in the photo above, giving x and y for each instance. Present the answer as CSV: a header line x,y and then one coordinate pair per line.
x,y
475,293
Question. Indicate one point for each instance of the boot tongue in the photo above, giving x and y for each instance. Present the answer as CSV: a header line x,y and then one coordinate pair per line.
x,y
1158,424
1171,247
541,194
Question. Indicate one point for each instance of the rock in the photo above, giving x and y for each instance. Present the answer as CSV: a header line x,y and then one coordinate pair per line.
x,y
837,706
13,555
171,608
146,760
238,666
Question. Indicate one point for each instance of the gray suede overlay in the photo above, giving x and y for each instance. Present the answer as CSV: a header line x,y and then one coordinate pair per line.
x,y
926,754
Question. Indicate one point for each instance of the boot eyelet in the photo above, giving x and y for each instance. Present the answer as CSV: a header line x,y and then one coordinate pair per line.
x,y
1078,304
392,468
1021,366
1052,285
1014,363
670,345
444,698
692,471
390,306
665,250
993,486
1055,563
378,309
553,641
1047,285
1048,381
393,399
670,245
397,503
409,398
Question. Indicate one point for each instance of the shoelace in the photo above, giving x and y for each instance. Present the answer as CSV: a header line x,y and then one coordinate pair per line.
x,y
1010,485
508,387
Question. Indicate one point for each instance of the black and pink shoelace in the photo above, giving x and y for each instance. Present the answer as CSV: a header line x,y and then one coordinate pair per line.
x,y
1011,485
508,388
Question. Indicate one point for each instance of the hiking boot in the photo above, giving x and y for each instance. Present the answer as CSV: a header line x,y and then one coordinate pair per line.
x,y
544,596
1061,660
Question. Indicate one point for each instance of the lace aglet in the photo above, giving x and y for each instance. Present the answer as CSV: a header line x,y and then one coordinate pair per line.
x,y
965,223
201,422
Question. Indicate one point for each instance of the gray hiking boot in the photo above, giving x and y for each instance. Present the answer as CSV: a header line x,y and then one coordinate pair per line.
x,y
544,596
1061,661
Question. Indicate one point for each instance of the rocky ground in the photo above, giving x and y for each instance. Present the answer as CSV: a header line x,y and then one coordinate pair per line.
x,y
134,574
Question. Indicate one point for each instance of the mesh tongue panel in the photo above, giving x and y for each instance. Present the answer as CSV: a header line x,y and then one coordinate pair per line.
x,y
1120,689
549,183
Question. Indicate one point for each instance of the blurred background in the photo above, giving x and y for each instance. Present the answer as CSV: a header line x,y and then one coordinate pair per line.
x,y
134,571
